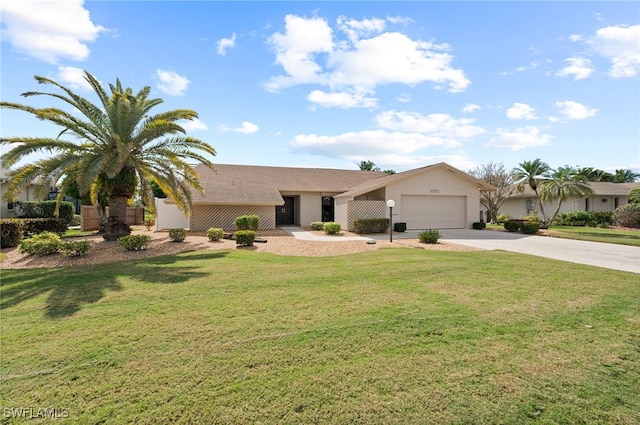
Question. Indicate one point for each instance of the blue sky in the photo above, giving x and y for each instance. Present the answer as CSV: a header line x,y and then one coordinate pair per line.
x,y
328,84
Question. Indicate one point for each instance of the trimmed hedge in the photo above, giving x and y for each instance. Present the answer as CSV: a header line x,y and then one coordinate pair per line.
x,y
45,243
584,218
317,225
331,228
45,209
247,222
245,237
370,225
134,242
429,236
75,248
627,216
11,232
215,234
529,227
502,218
177,235
512,225
479,225
34,226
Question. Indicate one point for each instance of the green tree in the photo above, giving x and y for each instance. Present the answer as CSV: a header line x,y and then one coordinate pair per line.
x,y
625,176
563,183
634,196
368,166
118,148
503,180
533,173
594,175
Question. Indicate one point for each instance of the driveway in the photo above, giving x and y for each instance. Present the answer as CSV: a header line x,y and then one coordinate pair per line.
x,y
617,257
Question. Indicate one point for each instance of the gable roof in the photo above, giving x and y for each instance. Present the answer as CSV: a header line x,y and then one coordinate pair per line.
x,y
599,188
380,182
262,185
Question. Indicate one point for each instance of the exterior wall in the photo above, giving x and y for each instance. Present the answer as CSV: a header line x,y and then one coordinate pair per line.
x,y
308,207
363,209
205,216
376,195
437,183
27,195
517,207
341,212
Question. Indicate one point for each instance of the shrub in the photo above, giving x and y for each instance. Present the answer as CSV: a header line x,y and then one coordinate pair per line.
x,y
479,225
512,225
45,243
533,218
370,225
600,218
215,234
134,242
245,237
247,222
317,225
177,235
634,196
502,218
429,236
399,227
11,232
34,226
149,223
627,216
331,228
529,227
76,221
45,209
75,248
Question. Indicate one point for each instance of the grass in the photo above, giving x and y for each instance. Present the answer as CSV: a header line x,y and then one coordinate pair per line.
x,y
73,233
593,234
394,336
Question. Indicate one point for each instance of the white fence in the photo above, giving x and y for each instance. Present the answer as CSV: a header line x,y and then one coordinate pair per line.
x,y
168,216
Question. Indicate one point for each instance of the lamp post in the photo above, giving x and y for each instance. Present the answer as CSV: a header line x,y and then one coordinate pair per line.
x,y
391,203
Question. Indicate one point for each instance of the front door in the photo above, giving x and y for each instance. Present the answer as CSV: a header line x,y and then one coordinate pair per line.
x,y
284,213
327,208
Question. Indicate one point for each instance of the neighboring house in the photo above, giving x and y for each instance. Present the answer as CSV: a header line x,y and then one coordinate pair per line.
x,y
606,197
8,209
436,196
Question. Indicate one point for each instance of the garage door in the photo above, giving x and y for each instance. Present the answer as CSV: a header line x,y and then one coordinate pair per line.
x,y
434,212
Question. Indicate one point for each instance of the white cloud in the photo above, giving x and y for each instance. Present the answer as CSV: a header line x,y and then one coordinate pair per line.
x,y
342,99
310,53
226,43
404,98
620,45
73,78
575,37
194,125
246,128
440,125
49,30
518,139
470,108
579,68
172,83
574,111
521,111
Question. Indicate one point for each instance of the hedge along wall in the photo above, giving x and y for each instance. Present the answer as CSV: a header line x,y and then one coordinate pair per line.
x,y
204,217
357,210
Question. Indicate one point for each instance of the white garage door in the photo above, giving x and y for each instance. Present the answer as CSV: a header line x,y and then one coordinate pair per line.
x,y
434,212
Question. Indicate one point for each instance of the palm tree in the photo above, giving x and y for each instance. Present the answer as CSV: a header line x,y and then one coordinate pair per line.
x,y
368,166
625,176
118,147
532,173
564,182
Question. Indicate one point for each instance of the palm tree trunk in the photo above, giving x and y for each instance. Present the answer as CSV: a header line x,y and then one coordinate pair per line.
x,y
117,223
102,216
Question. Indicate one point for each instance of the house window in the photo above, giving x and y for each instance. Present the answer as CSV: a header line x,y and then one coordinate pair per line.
x,y
616,201
10,206
586,204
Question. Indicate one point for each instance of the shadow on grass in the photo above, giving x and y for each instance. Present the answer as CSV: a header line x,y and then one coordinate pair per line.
x,y
72,287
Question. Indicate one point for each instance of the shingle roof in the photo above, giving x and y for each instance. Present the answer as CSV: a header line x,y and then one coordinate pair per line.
x,y
261,185
599,188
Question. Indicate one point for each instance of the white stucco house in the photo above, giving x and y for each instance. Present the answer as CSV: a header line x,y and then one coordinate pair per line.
x,y
436,196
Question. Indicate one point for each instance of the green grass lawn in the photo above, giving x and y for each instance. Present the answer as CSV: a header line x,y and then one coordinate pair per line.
x,y
396,336
593,234
73,233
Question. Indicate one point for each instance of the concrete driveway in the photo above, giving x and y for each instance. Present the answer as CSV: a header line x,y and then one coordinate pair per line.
x,y
617,257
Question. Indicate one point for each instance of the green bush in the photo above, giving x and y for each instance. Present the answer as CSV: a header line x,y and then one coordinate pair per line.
x,y
45,209
331,228
177,235
34,226
215,234
45,243
634,195
479,225
11,232
134,242
529,227
627,216
370,225
149,223
502,218
429,236
317,225
399,227
533,218
76,221
247,222
512,225
245,237
75,248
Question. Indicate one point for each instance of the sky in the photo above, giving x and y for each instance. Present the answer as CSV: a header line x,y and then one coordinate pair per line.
x,y
329,84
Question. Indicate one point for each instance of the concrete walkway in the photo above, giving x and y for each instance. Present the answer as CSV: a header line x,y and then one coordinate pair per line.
x,y
611,256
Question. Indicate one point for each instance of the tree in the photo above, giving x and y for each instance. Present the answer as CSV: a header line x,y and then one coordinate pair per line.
x,y
594,175
564,182
533,173
634,196
625,176
368,166
503,180
118,148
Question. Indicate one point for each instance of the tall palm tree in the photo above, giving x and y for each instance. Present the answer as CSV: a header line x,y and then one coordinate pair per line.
x,y
564,182
532,173
118,147
625,176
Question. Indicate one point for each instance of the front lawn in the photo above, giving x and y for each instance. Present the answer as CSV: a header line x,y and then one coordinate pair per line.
x,y
392,336
596,234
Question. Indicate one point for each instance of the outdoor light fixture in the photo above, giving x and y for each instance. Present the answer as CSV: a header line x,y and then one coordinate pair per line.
x,y
391,203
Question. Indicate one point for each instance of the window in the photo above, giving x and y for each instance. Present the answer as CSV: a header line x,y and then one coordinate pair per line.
x,y
10,206
586,204
616,201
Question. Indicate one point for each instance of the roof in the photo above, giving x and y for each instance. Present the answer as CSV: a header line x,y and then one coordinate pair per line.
x,y
262,185
371,185
599,188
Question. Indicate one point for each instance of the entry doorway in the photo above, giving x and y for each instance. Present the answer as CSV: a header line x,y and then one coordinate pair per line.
x,y
285,214
328,208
